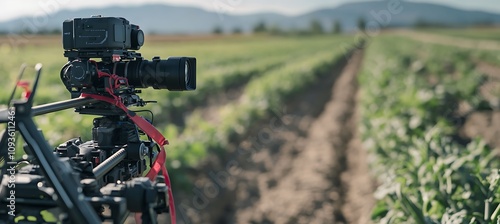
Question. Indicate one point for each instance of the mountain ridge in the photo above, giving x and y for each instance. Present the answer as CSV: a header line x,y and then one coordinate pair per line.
x,y
170,19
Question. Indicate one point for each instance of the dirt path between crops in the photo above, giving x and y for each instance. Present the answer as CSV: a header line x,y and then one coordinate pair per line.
x,y
321,176
304,164
485,123
357,182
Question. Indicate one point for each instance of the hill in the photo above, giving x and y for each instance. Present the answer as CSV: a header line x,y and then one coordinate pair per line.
x,y
163,18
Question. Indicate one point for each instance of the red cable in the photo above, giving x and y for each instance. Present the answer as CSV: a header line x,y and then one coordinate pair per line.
x,y
150,130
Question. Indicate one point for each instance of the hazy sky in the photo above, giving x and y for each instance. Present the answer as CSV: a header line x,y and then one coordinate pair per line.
x,y
11,8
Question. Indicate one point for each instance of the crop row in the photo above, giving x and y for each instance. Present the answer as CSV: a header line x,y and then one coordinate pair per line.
x,y
411,92
261,96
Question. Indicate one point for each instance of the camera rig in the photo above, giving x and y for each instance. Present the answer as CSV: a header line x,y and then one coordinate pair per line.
x,y
101,179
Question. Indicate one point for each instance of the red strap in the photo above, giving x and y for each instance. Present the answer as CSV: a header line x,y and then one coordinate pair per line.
x,y
139,121
26,86
150,130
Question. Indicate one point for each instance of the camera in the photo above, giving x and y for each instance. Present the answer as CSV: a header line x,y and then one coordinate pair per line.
x,y
102,179
101,33
113,39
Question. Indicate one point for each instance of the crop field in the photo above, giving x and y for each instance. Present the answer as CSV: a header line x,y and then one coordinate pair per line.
x,y
314,129
473,33
419,101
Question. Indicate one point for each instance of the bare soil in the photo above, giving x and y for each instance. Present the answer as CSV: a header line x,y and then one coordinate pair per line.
x,y
486,124
304,164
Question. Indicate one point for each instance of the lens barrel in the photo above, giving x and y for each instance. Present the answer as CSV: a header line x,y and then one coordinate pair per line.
x,y
174,73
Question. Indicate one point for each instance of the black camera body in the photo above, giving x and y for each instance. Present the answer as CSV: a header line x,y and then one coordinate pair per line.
x,y
113,39
101,33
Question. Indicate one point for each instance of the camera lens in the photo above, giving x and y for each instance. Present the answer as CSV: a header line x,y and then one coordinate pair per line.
x,y
174,73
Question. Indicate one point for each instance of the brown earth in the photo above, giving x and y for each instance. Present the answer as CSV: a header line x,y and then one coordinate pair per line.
x,y
304,164
318,177
486,124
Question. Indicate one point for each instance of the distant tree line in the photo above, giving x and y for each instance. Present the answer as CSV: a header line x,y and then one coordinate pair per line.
x,y
423,23
315,28
38,32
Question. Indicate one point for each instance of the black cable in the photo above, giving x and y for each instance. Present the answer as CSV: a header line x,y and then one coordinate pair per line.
x,y
149,111
21,72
